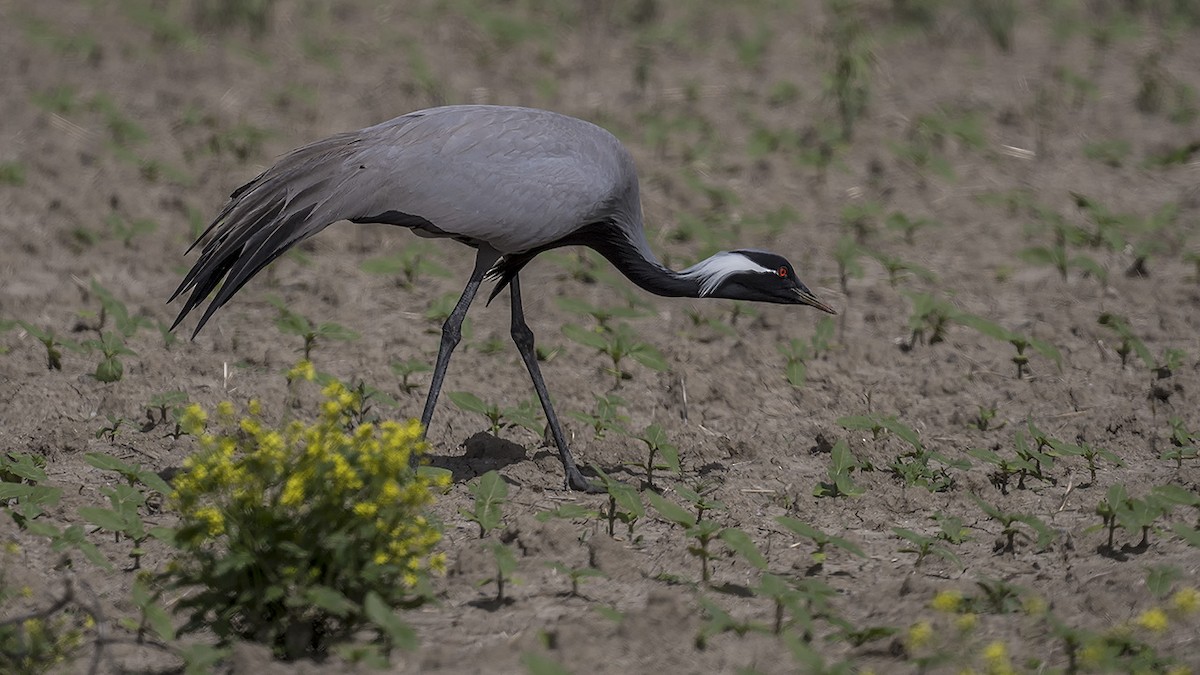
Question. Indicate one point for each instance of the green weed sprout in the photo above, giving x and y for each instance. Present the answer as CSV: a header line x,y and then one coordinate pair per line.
x,y
657,446
52,344
524,415
843,463
406,369
822,540
1130,343
1019,342
705,531
490,493
605,416
409,264
575,574
1009,522
111,347
304,535
924,546
617,343
506,564
624,503
294,324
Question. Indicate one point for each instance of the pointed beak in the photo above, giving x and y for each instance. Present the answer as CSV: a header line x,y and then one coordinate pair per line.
x,y
806,297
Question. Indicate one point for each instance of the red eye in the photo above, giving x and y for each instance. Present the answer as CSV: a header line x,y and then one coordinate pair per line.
x,y
782,272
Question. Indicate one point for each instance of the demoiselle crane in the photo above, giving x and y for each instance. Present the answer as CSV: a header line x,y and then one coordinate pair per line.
x,y
510,182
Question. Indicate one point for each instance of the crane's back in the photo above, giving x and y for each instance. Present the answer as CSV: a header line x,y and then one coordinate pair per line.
x,y
515,178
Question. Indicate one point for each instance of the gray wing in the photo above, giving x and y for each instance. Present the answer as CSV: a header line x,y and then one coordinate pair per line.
x,y
514,179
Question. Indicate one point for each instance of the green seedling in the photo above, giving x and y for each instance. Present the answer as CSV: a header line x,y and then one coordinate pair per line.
x,y
879,424
12,173
925,546
168,406
134,474
524,415
114,425
821,540
569,512
1057,256
169,337
1175,156
861,219
998,18
930,318
126,231
657,447
720,621
618,343
242,141
1040,457
1019,342
603,316
702,531
842,465
123,519
22,494
490,493
798,353
291,323
538,664
506,564
624,503
605,416
950,528
895,267
1118,509
407,266
848,81
1111,152
908,227
52,344
983,419
153,619
1009,523
996,596
1130,343
575,574
846,254
111,347
406,369
1090,453
1183,443
1005,468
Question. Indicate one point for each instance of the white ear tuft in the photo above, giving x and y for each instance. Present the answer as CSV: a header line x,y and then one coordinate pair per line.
x,y
712,272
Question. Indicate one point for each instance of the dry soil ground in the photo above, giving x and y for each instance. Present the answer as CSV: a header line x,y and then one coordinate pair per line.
x,y
124,124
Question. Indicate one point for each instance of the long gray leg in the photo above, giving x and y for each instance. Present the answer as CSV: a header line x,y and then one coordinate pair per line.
x,y
452,331
523,337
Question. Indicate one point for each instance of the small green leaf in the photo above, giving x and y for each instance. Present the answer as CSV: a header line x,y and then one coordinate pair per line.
x,y
104,518
469,402
536,664
585,337
651,358
671,511
740,542
329,600
398,632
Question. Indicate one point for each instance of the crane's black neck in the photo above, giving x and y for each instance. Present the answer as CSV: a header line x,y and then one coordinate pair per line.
x,y
625,248
636,261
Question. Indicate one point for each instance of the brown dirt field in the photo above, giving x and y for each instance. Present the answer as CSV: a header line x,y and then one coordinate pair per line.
x,y
690,88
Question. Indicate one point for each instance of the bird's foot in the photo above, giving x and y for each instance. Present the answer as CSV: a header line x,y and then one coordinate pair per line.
x,y
576,481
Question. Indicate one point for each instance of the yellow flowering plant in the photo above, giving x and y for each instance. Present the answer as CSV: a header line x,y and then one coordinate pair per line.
x,y
303,535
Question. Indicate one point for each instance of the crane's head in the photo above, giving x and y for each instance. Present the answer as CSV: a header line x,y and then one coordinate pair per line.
x,y
757,276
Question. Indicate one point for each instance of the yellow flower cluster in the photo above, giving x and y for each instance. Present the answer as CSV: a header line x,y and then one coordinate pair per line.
x,y
332,474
